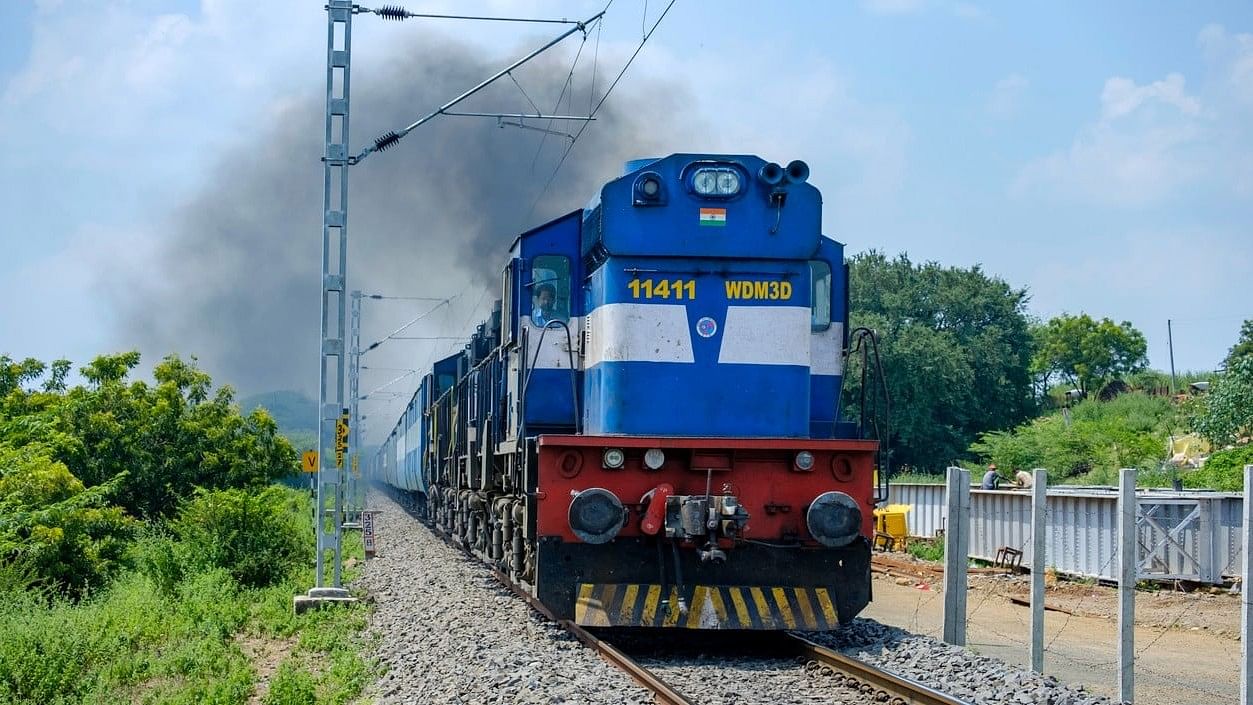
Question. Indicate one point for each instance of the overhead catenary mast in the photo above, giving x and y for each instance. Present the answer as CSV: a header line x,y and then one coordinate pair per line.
x,y
333,404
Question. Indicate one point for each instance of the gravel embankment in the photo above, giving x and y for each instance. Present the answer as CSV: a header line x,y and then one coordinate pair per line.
x,y
448,632
980,680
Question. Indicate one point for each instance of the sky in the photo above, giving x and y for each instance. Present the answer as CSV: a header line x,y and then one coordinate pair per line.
x,y
1098,155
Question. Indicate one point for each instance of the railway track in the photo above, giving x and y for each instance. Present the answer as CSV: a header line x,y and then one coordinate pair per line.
x,y
872,684
878,684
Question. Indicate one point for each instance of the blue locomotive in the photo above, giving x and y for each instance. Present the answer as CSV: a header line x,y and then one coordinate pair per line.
x,y
646,432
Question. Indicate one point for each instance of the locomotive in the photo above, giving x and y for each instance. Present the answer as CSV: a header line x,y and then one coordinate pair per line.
x,y
647,431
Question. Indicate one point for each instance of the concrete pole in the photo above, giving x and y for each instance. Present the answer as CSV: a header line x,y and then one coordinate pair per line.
x,y
1127,560
956,551
1246,599
1039,493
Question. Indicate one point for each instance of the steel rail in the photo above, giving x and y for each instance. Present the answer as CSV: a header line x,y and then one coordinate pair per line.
x,y
902,691
897,690
663,693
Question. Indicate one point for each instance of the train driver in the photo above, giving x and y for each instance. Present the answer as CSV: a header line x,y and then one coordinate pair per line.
x,y
544,305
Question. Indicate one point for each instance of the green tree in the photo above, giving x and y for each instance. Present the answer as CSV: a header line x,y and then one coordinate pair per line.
x,y
1243,346
956,348
1087,353
162,440
65,535
1225,415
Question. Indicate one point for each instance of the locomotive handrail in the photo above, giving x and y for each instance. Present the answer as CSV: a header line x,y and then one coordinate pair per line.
x,y
860,335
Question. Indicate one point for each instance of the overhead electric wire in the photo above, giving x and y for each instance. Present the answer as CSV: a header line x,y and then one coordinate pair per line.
x,y
387,384
566,86
390,138
401,329
596,109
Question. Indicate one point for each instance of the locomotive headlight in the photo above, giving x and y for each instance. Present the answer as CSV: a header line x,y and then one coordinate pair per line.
x,y
649,190
705,182
654,459
805,461
614,458
728,183
721,182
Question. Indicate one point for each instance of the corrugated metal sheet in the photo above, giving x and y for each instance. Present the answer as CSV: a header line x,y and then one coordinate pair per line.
x,y
1182,535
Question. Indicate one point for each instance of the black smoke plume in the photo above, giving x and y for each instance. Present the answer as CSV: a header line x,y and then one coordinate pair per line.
x,y
235,277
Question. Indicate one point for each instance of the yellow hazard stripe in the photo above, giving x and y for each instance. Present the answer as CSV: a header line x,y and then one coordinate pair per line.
x,y
709,606
580,605
780,598
650,605
807,612
828,609
629,599
741,609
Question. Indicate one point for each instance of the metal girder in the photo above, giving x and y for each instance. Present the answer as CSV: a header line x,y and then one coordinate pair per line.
x,y
334,277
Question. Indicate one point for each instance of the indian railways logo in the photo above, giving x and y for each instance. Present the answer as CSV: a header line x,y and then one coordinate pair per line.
x,y
706,327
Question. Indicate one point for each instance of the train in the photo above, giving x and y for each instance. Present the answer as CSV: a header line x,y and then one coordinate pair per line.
x,y
647,430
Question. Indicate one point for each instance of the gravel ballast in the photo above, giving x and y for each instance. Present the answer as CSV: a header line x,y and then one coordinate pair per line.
x,y
980,680
448,632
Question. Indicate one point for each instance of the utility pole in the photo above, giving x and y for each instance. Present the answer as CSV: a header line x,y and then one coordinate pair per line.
x,y
334,280
333,413
956,552
1128,564
1170,343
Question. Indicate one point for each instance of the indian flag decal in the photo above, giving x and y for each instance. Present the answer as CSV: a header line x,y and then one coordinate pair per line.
x,y
713,216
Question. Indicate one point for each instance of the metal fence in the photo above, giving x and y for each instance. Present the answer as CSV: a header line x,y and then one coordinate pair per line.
x,y
1181,535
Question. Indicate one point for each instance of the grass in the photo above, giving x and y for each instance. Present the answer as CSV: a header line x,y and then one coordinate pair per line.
x,y
926,549
917,478
207,641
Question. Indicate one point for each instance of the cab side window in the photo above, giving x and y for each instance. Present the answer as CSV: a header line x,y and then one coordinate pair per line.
x,y
820,311
550,289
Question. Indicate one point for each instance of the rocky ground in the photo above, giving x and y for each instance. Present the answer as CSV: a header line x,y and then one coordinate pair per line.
x,y
980,680
448,632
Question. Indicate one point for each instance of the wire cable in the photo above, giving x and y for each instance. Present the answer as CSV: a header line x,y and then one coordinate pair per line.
x,y
609,91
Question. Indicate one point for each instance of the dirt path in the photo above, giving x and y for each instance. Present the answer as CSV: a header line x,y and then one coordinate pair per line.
x,y
1189,665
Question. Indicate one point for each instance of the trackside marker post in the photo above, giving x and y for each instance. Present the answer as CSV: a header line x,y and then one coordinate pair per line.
x,y
367,532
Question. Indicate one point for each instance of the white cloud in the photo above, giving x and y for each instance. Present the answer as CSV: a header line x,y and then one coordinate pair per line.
x,y
1007,95
1232,54
1146,142
1122,96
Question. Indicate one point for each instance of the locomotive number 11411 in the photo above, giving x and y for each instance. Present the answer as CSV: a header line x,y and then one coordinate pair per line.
x,y
662,288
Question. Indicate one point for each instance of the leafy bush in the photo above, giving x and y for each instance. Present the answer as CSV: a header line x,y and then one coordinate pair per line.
x,y
258,537
162,439
52,529
1127,431
1225,415
1223,470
